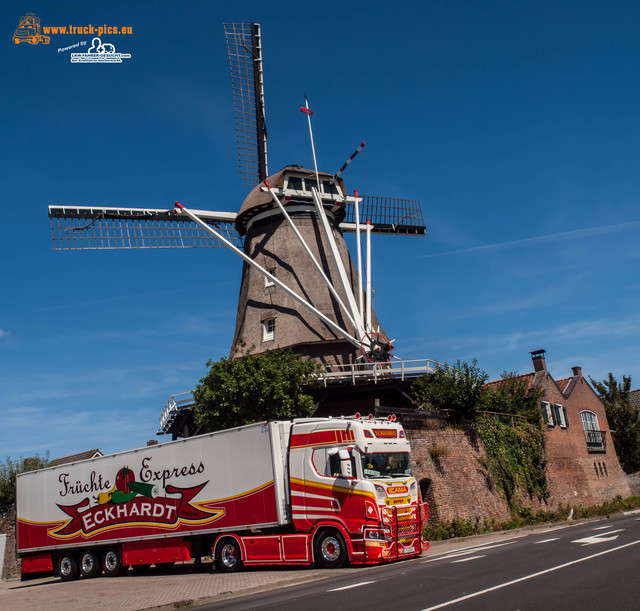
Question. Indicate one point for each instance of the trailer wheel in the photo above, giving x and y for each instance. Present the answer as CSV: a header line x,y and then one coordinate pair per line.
x,y
90,565
330,549
228,556
111,562
68,567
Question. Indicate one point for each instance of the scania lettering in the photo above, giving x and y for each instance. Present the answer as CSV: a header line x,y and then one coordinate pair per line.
x,y
321,491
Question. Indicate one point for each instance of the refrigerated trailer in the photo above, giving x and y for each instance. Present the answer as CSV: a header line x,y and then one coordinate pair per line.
x,y
312,490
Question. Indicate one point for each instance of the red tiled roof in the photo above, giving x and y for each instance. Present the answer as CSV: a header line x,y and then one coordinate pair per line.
x,y
562,384
526,376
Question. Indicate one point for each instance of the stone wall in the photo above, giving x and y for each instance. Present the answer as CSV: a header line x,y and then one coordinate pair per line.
x,y
634,483
11,563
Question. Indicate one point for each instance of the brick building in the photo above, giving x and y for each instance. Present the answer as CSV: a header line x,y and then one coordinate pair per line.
x,y
582,468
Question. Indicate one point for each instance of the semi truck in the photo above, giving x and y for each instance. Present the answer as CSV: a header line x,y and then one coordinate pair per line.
x,y
321,491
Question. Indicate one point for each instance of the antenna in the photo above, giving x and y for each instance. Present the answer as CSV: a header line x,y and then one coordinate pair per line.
x,y
245,60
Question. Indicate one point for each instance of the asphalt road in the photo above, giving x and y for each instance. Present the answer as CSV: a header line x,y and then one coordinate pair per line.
x,y
586,566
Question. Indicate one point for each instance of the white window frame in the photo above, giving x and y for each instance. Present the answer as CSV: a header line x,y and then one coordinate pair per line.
x,y
560,416
267,281
268,329
589,419
548,416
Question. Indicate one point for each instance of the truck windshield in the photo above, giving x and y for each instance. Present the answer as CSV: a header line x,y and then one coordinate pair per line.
x,y
386,464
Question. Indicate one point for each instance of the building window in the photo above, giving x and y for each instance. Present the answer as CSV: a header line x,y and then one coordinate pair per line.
x,y
595,438
267,281
268,329
560,416
546,412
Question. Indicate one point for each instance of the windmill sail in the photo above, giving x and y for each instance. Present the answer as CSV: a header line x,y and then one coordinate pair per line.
x,y
245,59
91,228
387,214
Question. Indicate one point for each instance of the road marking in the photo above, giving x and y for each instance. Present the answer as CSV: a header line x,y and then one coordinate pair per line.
x,y
465,551
527,577
601,528
353,585
600,538
547,540
467,559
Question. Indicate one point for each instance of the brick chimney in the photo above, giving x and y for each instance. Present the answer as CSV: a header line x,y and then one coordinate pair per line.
x,y
577,371
539,364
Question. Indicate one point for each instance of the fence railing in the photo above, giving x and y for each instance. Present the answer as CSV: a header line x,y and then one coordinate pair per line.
x,y
596,441
353,373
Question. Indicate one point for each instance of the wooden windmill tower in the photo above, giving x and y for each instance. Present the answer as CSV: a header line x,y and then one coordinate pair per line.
x,y
300,288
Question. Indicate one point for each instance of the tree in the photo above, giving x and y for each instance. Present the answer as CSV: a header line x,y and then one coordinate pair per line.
x,y
8,471
623,420
513,395
254,387
458,388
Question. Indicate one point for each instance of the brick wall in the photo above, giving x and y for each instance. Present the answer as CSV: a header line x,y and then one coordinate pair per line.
x,y
451,478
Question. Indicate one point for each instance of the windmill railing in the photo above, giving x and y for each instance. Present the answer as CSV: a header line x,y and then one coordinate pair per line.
x,y
172,409
354,373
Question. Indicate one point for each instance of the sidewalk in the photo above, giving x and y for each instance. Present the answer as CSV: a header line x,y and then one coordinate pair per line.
x,y
188,584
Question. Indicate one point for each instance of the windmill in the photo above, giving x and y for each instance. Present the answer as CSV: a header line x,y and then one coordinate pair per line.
x,y
300,288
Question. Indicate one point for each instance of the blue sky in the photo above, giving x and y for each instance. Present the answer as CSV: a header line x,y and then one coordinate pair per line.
x,y
516,124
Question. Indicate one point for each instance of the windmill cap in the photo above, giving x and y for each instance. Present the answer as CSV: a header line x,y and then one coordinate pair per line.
x,y
260,201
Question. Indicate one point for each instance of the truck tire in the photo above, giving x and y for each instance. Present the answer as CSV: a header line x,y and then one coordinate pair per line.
x,y
228,556
330,549
68,567
111,562
90,565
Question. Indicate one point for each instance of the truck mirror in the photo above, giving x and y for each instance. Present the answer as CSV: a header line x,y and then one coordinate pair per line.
x,y
345,464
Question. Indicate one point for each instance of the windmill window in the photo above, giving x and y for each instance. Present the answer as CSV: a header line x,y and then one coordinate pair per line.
x,y
294,182
329,188
268,329
267,281
310,184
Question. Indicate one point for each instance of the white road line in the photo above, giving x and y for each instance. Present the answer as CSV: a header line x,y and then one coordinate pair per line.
x,y
526,577
465,551
467,559
601,528
353,585
547,540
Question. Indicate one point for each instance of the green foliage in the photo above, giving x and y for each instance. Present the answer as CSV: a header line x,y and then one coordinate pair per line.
x,y
8,471
515,458
457,388
513,396
461,527
623,420
254,387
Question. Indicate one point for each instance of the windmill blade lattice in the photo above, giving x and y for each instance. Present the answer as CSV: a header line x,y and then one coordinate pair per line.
x,y
387,215
90,228
245,59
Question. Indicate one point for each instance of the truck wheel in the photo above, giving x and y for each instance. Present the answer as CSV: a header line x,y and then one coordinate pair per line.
x,y
90,565
68,567
228,556
330,549
111,562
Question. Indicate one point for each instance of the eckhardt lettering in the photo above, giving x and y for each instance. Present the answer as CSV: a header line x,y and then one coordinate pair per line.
x,y
163,512
132,502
